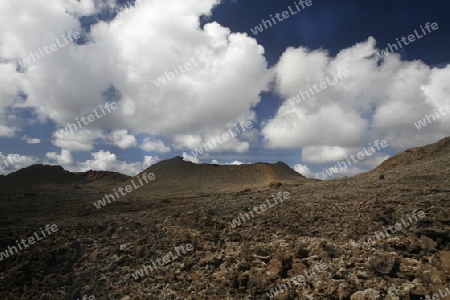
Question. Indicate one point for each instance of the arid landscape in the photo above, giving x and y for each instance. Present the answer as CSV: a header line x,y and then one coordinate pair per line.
x,y
96,252
224,149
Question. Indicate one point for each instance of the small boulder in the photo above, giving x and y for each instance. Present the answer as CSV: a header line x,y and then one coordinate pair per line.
x,y
368,294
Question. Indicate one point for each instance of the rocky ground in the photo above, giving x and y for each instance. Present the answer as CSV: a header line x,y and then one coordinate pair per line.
x,y
95,251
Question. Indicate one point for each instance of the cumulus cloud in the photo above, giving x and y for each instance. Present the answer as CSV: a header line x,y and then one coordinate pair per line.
x,y
12,162
25,161
150,160
191,158
211,144
233,163
381,98
342,167
342,172
6,131
124,56
104,160
373,161
324,154
122,139
234,138
81,140
63,159
154,145
119,55
324,175
30,140
10,81
306,171
187,141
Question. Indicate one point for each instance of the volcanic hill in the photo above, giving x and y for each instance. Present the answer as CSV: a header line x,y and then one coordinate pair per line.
x,y
429,156
421,165
39,176
238,252
47,176
178,177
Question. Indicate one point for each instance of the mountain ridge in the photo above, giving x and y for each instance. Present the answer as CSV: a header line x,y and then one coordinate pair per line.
x,y
177,176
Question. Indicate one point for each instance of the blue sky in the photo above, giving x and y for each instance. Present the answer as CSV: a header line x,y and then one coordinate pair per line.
x,y
235,76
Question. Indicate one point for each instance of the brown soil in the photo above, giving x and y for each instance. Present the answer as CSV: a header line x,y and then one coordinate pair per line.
x,y
96,250
181,178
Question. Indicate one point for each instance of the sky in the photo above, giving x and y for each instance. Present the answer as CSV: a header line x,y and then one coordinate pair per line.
x,y
318,84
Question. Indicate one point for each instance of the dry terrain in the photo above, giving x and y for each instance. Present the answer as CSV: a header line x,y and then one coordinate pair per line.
x,y
96,251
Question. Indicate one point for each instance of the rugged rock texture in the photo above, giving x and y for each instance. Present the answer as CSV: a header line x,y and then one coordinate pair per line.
x,y
114,177
96,251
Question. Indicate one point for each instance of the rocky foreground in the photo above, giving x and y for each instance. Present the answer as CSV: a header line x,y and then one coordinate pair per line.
x,y
312,245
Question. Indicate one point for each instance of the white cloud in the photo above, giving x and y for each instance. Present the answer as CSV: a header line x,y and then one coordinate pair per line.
x,y
81,140
25,161
349,171
156,146
232,145
187,157
10,81
64,159
30,140
323,175
339,159
302,169
187,141
373,161
237,139
235,163
190,108
379,99
306,171
341,167
324,154
122,139
6,131
329,125
150,160
105,160
13,162
102,161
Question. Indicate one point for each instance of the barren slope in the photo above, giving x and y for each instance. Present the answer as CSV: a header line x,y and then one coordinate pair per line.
x,y
39,176
96,251
178,177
